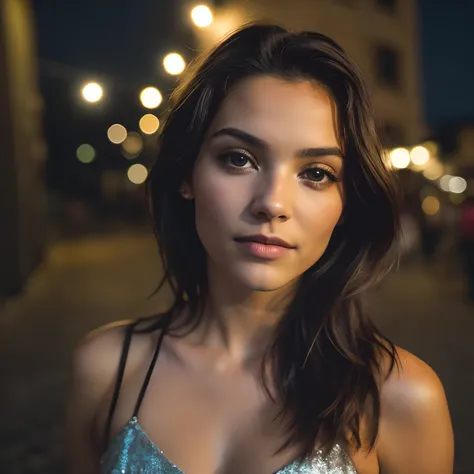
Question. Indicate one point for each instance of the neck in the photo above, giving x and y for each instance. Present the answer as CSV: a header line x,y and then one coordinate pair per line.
x,y
240,321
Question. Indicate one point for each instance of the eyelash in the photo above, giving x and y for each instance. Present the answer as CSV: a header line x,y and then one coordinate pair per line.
x,y
224,161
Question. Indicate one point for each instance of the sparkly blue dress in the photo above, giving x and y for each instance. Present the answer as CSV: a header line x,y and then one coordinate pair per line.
x,y
131,451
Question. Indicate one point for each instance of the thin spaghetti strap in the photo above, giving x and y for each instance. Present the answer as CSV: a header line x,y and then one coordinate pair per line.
x,y
151,367
118,383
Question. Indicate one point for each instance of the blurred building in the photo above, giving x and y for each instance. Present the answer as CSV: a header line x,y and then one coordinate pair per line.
x,y
380,35
22,150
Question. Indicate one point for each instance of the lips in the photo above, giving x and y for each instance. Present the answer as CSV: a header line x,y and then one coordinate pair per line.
x,y
265,240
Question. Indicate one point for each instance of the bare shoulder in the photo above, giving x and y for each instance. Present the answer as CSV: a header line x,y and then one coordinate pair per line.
x,y
415,427
94,364
96,357
411,386
93,355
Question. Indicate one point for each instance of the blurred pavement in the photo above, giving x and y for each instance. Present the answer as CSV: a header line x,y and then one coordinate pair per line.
x,y
88,282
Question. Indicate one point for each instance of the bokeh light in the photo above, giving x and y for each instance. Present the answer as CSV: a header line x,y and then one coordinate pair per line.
x,y
419,155
457,185
202,16
174,64
92,92
444,182
85,153
151,97
137,174
117,133
432,148
400,158
149,124
430,205
434,170
132,145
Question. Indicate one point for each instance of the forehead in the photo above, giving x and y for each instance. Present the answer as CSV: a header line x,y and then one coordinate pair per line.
x,y
273,108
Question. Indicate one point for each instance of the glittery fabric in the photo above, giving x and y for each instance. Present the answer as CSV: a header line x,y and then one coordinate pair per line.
x,y
132,452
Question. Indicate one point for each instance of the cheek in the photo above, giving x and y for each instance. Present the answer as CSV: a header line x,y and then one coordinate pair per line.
x,y
218,202
319,219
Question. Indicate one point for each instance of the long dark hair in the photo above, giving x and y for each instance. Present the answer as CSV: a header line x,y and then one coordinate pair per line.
x,y
327,356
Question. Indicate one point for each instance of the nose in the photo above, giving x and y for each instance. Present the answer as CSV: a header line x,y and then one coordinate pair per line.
x,y
272,198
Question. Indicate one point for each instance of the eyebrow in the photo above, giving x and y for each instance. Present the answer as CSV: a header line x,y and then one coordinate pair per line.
x,y
313,152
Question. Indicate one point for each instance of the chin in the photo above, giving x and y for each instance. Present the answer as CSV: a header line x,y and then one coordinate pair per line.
x,y
262,278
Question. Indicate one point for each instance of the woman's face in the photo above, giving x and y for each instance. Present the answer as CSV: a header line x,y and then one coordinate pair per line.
x,y
267,183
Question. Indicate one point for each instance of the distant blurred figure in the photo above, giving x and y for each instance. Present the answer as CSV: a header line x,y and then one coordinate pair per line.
x,y
466,242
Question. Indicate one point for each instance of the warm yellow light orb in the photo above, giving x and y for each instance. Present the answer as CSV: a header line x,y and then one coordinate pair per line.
x,y
420,155
151,97
92,92
137,174
149,124
430,205
400,158
202,16
174,64
117,133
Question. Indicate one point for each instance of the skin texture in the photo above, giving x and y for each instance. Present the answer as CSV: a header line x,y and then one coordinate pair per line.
x,y
274,191
205,407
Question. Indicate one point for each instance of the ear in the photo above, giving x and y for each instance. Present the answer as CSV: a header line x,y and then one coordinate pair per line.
x,y
186,191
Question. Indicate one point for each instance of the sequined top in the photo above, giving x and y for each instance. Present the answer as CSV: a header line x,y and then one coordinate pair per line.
x,y
131,451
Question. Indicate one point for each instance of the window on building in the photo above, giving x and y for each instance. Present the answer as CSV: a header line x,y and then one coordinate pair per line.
x,y
387,5
387,64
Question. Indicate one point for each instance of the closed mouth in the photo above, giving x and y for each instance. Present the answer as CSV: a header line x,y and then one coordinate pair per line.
x,y
266,240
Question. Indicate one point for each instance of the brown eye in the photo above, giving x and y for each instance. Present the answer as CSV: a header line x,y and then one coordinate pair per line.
x,y
316,174
236,160
319,177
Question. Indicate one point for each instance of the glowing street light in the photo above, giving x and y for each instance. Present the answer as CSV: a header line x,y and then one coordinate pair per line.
x,y
137,174
92,92
151,97
202,16
457,185
174,64
444,182
430,205
149,124
400,158
420,155
117,133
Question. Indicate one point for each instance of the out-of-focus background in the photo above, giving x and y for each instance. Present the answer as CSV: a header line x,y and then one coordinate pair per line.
x,y
83,87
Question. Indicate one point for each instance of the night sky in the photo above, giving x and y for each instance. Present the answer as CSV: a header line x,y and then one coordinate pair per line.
x,y
447,34
126,42
122,46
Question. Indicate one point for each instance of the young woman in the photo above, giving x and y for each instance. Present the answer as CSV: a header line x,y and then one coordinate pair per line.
x,y
274,212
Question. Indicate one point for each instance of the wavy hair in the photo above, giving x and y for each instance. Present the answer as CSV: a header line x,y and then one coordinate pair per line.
x,y
328,358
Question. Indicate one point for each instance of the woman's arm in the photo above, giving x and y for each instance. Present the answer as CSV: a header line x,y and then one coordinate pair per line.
x,y
415,435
